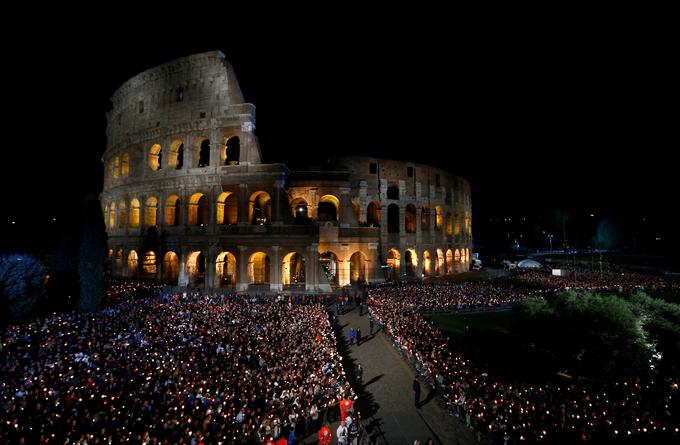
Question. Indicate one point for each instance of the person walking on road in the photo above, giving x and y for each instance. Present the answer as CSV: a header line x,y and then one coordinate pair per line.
x,y
416,391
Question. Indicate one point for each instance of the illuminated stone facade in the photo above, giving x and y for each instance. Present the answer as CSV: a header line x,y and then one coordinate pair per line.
x,y
188,202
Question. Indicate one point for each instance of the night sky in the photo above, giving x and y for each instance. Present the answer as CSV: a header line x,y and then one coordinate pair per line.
x,y
535,118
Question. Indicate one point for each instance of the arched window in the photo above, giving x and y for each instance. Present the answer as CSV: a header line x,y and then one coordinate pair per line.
x,y
357,268
393,218
393,192
457,222
116,167
411,262
198,210
227,208
260,208
293,269
122,214
410,219
449,261
112,215
356,209
468,223
425,219
439,265
125,168
176,156
225,267
456,259
449,224
133,263
196,269
328,208
155,156
232,151
373,214
172,211
438,217
329,263
170,268
150,212
134,213
394,263
300,209
204,154
427,264
149,265
258,268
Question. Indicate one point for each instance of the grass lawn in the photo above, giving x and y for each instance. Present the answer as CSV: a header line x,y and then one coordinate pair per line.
x,y
454,325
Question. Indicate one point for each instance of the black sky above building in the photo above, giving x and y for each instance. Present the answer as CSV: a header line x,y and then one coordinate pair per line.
x,y
575,117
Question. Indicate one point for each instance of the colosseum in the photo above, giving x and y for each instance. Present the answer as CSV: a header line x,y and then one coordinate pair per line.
x,y
188,202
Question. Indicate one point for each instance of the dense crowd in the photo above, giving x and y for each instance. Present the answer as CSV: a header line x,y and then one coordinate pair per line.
x,y
180,369
514,410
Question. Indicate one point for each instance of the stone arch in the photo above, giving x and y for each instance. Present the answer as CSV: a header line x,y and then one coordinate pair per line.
x,y
225,269
456,259
357,267
112,215
125,165
329,263
300,209
149,265
260,208
356,208
468,223
155,156
172,211
328,208
258,268
411,262
449,261
196,268
151,212
394,263
199,149
438,217
232,151
116,167
293,269
439,265
425,218
427,264
204,153
133,263
170,268
122,214
198,210
134,213
176,155
227,208
393,218
449,224
373,214
456,223
410,219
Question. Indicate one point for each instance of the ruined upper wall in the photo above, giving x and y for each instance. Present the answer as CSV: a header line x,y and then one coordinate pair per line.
x,y
190,93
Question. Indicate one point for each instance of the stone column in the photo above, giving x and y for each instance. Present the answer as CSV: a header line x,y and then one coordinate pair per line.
x,y
311,267
242,269
279,200
275,269
183,207
215,145
210,255
243,203
347,217
183,279
248,144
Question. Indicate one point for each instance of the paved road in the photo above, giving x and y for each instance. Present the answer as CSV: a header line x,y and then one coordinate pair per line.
x,y
386,401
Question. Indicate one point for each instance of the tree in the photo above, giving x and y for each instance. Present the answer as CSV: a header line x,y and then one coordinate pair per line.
x,y
608,234
559,219
92,257
22,279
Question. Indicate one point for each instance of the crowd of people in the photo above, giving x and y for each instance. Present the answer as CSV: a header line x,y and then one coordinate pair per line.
x,y
515,410
175,369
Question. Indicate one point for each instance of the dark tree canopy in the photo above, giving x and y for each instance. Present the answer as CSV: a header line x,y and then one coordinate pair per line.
x,y
22,279
92,257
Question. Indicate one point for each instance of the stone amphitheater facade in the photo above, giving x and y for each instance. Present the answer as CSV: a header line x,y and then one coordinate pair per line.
x,y
188,202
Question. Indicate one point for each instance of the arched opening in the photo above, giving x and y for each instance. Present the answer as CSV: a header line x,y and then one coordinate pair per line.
x,y
329,263
410,219
300,209
393,218
328,208
393,192
225,268
456,258
438,217
258,268
134,213
151,211
468,223
411,262
149,265
425,219
106,216
196,269
449,261
170,268
427,264
112,216
176,157
457,220
155,155
227,208
373,214
356,208
357,268
439,266
260,208
232,151
122,214
125,167
198,210
449,224
119,262
133,263
466,261
116,167
394,263
293,269
172,211
109,259
204,153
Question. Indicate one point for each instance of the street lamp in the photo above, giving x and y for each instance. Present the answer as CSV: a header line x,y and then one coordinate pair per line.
x,y
550,238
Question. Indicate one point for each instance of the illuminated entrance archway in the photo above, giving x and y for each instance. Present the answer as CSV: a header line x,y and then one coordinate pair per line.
x,y
170,268
293,269
329,263
357,268
258,268
225,269
411,262
427,264
394,263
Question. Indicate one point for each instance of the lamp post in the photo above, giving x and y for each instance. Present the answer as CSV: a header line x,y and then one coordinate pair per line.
x,y
550,238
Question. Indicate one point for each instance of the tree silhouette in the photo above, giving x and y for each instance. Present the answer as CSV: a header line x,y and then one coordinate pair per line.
x,y
92,257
